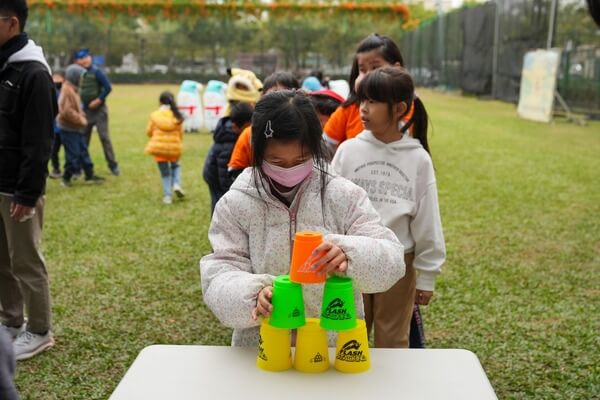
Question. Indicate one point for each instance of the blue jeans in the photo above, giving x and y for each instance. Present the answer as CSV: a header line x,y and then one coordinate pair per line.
x,y
7,367
170,173
56,143
77,156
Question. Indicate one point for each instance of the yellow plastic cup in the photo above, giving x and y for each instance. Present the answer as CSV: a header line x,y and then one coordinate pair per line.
x,y
311,348
274,348
352,349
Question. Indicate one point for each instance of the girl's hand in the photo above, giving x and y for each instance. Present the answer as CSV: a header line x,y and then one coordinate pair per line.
x,y
263,303
422,297
333,259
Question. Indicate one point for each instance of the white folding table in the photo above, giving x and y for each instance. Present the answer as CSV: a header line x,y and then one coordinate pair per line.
x,y
219,372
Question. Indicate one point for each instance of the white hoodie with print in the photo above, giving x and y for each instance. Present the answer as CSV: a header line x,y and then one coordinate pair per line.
x,y
400,181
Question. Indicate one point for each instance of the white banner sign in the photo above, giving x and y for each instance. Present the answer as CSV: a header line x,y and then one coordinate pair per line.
x,y
538,83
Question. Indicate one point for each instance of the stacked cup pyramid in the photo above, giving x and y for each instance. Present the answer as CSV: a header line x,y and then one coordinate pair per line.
x,y
338,313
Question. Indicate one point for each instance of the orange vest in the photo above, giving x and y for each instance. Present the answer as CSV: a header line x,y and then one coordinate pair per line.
x,y
345,123
241,156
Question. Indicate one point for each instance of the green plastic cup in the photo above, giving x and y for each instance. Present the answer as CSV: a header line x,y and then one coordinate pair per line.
x,y
338,312
288,304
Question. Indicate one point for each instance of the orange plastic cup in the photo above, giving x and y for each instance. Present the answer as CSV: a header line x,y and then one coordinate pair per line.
x,y
302,260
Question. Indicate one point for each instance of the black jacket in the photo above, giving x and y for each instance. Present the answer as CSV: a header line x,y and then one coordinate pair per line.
x,y
27,111
215,166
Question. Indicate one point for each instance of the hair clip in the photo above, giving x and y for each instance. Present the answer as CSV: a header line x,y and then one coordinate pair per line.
x,y
268,130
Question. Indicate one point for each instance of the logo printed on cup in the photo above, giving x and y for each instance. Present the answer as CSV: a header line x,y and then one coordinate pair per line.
x,y
288,304
295,313
351,352
336,310
261,351
317,358
307,265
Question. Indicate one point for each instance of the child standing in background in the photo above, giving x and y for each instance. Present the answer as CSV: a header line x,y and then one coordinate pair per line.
x,y
165,130
373,52
326,102
71,123
391,161
58,77
228,129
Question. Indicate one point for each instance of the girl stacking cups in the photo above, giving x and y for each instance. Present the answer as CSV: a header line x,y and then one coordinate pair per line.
x,y
290,188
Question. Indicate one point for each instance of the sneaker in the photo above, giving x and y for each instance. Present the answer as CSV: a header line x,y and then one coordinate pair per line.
x,y
14,331
115,170
55,174
178,191
67,182
167,200
94,179
29,344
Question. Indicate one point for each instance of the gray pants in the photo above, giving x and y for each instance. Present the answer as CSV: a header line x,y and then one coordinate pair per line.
x,y
7,367
23,274
99,119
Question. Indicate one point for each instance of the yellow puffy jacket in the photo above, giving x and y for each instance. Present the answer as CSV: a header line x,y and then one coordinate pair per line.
x,y
166,133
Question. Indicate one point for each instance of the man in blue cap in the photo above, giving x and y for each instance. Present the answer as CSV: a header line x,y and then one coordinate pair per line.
x,y
94,89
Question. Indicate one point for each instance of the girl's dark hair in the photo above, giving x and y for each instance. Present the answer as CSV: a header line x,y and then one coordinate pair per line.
x,y
287,115
388,50
392,86
283,79
324,104
241,114
168,99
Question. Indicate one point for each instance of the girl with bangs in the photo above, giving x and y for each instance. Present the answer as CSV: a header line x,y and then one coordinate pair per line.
x,y
375,51
390,159
290,188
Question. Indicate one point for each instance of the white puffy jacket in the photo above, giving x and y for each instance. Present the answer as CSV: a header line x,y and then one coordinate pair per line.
x,y
251,235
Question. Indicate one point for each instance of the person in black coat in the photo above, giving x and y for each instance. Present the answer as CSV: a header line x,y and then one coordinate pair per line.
x,y
226,133
27,110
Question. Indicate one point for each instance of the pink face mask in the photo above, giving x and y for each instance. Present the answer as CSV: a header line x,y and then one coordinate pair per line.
x,y
288,177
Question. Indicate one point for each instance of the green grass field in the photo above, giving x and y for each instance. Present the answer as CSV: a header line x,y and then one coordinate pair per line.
x,y
520,203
